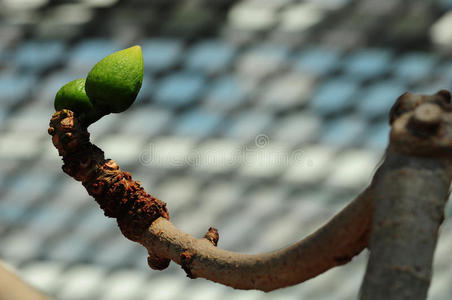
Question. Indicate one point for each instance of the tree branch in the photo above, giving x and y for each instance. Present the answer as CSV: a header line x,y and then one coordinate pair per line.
x,y
410,197
144,219
334,244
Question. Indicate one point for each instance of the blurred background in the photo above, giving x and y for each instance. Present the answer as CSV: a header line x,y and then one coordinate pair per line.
x,y
260,118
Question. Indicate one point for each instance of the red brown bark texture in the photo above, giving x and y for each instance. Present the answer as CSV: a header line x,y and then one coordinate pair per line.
x,y
117,194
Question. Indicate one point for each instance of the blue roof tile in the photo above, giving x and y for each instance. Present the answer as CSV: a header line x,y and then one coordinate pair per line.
x,y
414,66
88,52
225,93
368,63
38,55
334,95
343,132
210,56
248,124
317,61
378,99
198,123
15,88
378,136
161,54
179,89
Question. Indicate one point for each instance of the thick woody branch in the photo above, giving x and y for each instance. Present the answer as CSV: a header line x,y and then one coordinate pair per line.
x,y
333,244
144,219
410,196
410,201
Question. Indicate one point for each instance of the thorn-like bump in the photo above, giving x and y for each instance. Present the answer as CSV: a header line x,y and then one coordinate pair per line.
x,y
186,259
67,123
97,188
212,236
428,114
426,119
158,263
445,94
406,102
111,165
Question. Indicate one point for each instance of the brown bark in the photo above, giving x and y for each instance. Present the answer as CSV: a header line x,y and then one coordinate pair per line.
x,y
420,150
410,200
334,244
144,219
410,195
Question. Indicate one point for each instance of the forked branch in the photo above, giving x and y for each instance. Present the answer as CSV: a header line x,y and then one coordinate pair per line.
x,y
145,219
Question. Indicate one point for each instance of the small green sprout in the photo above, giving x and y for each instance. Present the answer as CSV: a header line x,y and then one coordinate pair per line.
x,y
73,96
111,86
115,81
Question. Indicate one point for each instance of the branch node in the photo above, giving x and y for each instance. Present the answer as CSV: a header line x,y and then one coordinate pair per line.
x,y
157,263
212,236
445,95
425,120
421,125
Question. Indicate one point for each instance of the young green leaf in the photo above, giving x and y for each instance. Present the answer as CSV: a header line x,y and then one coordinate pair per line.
x,y
114,82
73,96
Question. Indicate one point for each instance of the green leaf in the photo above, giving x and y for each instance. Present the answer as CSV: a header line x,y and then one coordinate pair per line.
x,y
114,82
73,96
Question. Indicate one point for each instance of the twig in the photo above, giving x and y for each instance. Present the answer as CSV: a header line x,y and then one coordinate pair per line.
x,y
144,219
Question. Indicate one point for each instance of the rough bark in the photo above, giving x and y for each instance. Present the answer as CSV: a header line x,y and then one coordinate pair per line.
x,y
144,219
417,165
334,244
410,200
410,195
